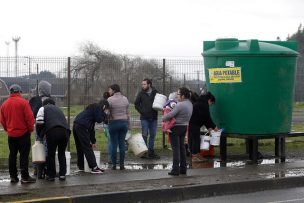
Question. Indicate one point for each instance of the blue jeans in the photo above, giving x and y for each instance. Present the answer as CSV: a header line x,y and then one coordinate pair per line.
x,y
149,126
118,130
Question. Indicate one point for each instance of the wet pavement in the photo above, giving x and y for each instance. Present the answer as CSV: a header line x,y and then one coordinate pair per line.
x,y
143,179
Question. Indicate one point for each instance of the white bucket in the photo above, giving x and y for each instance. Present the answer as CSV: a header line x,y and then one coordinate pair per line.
x,y
86,165
137,144
159,102
205,142
215,138
68,162
38,152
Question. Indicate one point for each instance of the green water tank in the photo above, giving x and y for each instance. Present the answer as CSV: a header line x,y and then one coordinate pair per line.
x,y
253,82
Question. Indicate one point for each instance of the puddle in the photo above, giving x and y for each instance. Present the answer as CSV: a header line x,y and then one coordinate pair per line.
x,y
5,180
283,174
216,163
210,163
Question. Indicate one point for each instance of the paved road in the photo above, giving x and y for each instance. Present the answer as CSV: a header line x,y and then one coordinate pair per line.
x,y
294,195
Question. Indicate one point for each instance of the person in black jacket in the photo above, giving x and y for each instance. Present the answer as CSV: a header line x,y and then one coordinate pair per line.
x,y
148,116
43,92
84,134
51,123
200,116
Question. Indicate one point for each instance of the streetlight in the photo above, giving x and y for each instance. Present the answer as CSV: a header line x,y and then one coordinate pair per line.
x,y
7,56
16,40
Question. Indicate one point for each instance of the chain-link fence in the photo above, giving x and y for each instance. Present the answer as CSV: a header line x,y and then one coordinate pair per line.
x,y
299,86
77,82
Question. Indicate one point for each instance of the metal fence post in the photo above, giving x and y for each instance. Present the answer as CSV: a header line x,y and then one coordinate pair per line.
x,y
69,96
164,89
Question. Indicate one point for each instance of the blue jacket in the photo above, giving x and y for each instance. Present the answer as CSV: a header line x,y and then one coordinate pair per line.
x,y
90,116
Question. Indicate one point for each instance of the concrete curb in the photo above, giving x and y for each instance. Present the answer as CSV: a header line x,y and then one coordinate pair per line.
x,y
192,192
182,192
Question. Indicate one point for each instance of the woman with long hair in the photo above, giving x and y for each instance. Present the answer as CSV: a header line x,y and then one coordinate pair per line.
x,y
182,113
119,123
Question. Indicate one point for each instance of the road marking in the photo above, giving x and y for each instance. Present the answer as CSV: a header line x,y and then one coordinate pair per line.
x,y
43,199
289,200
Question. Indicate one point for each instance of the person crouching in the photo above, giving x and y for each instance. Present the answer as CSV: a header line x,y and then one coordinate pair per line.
x,y
51,122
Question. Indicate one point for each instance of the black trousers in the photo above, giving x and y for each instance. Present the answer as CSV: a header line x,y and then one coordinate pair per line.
x,y
56,137
83,146
177,139
194,139
23,146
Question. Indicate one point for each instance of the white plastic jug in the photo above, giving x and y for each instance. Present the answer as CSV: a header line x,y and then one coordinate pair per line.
x,y
137,144
38,152
86,165
215,137
205,142
68,162
159,102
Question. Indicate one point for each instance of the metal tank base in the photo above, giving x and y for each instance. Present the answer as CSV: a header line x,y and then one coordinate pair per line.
x,y
252,144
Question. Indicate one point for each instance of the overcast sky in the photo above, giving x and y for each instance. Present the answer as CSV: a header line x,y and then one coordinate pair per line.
x,y
141,27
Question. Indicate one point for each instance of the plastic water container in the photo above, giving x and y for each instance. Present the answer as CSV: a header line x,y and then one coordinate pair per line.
x,y
205,142
68,162
215,137
137,145
159,102
86,165
38,152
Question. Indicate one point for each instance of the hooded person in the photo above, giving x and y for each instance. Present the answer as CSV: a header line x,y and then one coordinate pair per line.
x,y
44,92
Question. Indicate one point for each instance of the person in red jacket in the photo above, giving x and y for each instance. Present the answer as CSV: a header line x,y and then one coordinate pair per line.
x,y
18,121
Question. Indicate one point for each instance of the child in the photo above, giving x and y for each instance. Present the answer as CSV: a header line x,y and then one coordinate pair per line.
x,y
170,104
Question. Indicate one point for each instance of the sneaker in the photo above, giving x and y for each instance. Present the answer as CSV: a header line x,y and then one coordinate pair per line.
x,y
62,178
41,172
41,176
79,171
153,156
14,179
51,179
183,172
122,167
97,170
171,173
28,179
35,171
144,156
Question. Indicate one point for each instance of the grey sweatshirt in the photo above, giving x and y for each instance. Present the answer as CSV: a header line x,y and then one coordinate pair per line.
x,y
182,113
119,107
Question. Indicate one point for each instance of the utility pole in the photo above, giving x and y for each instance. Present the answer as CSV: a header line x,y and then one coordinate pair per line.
x,y
7,57
16,40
